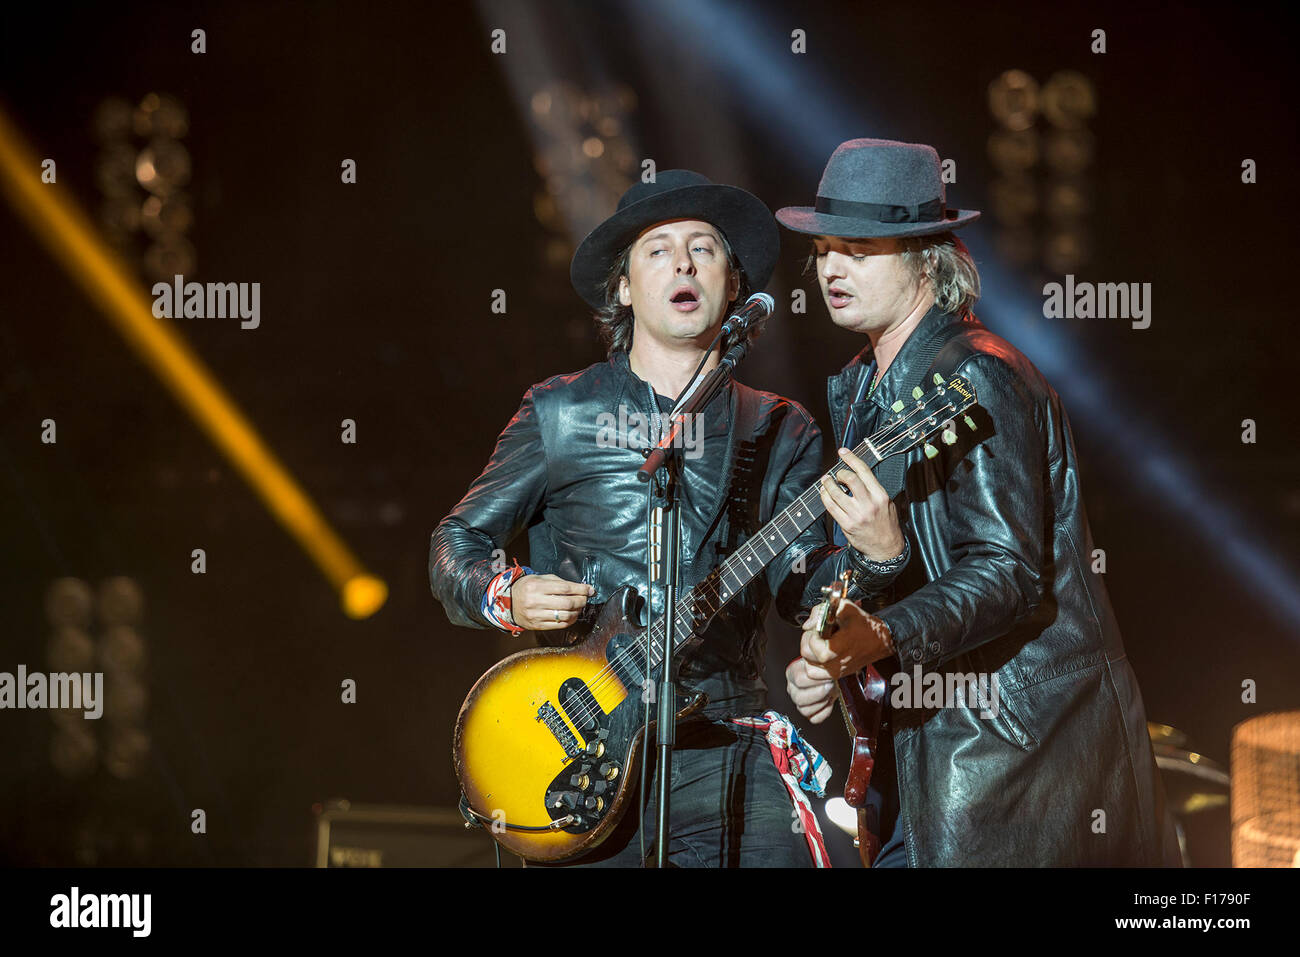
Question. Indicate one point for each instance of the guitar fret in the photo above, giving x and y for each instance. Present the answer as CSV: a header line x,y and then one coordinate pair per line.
x,y
709,596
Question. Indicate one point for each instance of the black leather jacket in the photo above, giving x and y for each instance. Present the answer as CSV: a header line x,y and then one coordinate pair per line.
x,y
585,512
1000,581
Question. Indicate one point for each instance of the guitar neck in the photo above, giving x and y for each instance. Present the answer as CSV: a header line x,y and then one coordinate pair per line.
x,y
910,427
697,607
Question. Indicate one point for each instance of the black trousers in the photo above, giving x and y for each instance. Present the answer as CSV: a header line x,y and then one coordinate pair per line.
x,y
729,806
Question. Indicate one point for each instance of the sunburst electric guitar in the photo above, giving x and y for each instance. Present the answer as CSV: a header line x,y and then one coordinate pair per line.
x,y
548,743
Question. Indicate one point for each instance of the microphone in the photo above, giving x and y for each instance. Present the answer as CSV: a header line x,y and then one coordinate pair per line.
x,y
756,310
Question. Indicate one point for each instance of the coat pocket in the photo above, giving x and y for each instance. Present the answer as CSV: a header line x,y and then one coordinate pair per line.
x,y
1009,722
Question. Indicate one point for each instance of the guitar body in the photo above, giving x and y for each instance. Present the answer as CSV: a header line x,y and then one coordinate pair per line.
x,y
548,743
863,700
862,703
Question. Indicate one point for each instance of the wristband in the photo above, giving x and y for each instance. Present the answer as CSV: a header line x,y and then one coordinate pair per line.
x,y
873,567
496,600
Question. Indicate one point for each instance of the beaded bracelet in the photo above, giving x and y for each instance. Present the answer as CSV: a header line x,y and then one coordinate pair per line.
x,y
881,568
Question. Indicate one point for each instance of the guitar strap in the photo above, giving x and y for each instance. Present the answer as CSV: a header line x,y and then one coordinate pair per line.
x,y
739,471
735,495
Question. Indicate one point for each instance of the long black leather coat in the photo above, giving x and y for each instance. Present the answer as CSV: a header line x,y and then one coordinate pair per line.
x,y
1000,581
577,494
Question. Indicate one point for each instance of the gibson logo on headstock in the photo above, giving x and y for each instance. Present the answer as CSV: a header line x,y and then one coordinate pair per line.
x,y
958,385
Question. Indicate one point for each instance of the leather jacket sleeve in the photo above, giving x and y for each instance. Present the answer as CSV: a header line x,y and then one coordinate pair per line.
x,y
502,501
810,562
994,528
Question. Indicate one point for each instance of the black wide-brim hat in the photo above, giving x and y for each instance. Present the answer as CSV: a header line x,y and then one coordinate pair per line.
x,y
679,194
878,189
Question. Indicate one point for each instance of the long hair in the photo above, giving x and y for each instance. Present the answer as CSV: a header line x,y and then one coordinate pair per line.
x,y
944,261
614,321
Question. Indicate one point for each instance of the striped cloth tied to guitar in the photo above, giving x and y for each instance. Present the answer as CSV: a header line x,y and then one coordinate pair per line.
x,y
802,768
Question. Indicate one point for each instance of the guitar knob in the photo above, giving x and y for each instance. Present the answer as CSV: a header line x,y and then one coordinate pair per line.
x,y
596,748
580,781
595,804
608,770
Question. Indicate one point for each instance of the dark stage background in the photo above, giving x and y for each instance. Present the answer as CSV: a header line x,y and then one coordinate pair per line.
x,y
376,306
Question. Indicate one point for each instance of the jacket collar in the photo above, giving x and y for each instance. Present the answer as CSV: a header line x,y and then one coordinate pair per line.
x,y
640,390
900,377
897,381
701,475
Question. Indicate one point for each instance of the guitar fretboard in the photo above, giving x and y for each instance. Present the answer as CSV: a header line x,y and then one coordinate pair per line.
x,y
698,606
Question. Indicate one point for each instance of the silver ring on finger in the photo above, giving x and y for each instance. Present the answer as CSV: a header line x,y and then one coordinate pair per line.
x,y
557,616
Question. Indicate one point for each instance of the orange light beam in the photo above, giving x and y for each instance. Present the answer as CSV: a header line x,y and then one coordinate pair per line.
x,y
108,282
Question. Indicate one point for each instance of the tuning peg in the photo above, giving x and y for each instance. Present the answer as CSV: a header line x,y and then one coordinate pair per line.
x,y
916,393
930,450
949,437
969,421
897,406
938,379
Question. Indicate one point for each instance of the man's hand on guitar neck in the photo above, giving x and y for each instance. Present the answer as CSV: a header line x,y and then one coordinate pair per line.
x,y
865,513
547,602
859,639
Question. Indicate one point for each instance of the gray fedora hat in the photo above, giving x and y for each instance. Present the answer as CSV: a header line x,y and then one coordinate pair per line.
x,y
878,188
679,194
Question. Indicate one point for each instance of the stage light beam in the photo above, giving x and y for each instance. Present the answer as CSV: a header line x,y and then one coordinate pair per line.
x,y
109,284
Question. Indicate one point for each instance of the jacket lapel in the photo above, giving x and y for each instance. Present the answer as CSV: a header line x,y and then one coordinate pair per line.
x,y
840,389
897,383
704,478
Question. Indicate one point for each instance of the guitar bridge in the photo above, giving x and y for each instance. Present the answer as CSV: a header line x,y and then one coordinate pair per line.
x,y
555,723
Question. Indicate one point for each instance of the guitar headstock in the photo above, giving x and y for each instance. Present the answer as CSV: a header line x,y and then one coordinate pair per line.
x,y
936,411
834,594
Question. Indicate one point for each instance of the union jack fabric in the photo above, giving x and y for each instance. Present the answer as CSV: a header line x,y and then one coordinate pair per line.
x,y
496,600
802,768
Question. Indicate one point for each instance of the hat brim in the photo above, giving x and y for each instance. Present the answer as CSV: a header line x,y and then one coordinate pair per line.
x,y
806,219
742,217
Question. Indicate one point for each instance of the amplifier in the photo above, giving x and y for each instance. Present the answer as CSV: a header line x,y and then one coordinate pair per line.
x,y
382,835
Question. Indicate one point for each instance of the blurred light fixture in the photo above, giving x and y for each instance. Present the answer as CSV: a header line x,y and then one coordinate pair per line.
x,y
1042,175
1013,100
1069,152
1013,151
1068,100
1266,791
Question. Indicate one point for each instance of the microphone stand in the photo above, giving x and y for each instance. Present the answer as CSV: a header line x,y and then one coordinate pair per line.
x,y
666,455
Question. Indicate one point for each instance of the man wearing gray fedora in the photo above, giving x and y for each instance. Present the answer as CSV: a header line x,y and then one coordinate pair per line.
x,y
989,575
662,273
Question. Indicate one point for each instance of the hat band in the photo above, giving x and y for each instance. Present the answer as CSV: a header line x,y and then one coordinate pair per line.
x,y
929,212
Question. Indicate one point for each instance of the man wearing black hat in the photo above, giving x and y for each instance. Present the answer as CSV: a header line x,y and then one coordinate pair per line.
x,y
662,274
991,571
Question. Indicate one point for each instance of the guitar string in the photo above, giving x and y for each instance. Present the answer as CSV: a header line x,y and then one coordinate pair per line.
x,y
607,675
806,499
